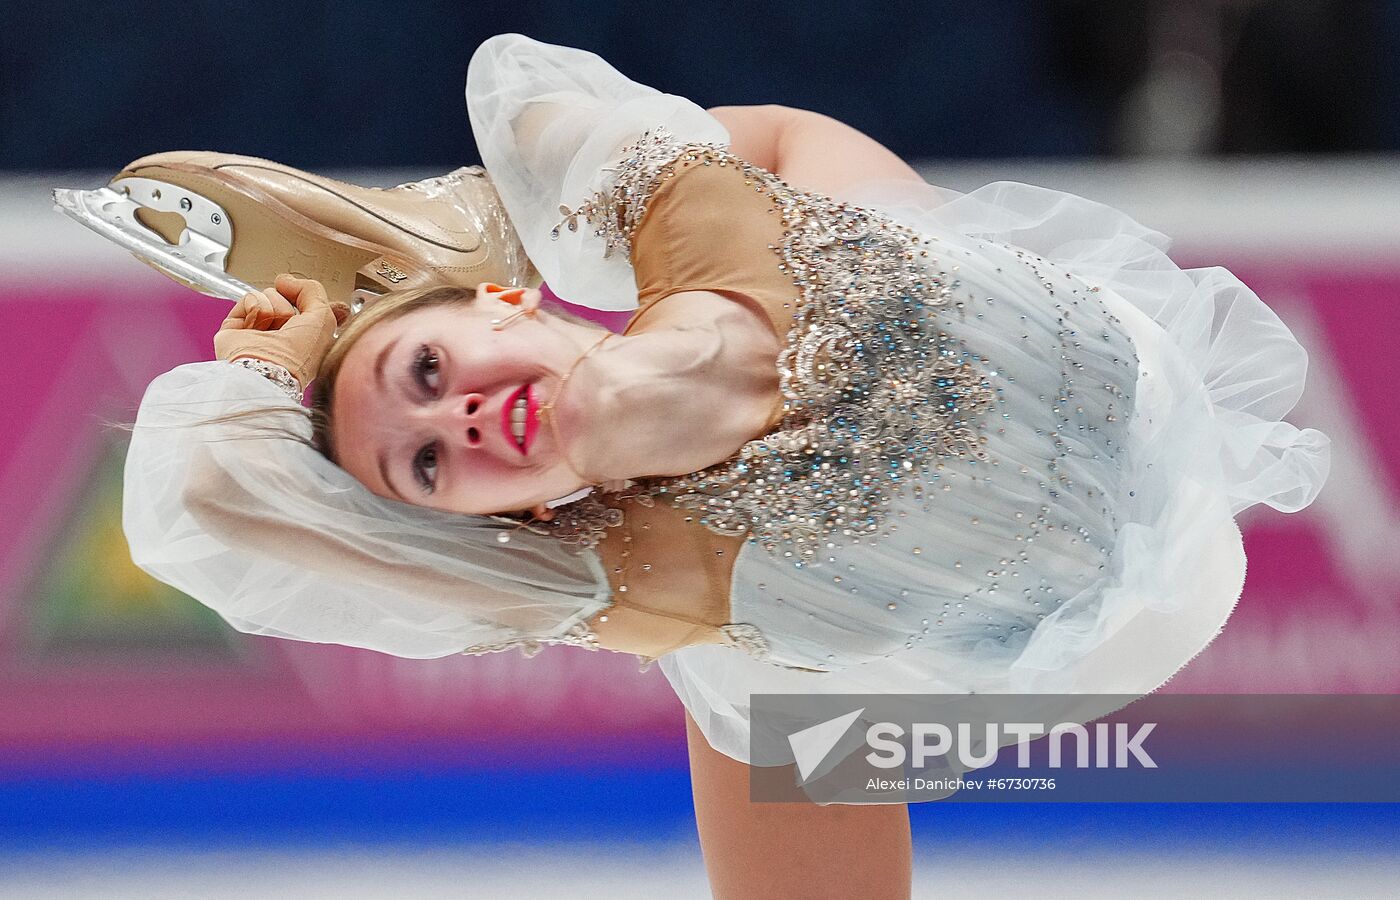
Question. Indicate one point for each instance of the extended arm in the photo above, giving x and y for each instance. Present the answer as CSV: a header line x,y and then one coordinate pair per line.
x,y
809,150
224,500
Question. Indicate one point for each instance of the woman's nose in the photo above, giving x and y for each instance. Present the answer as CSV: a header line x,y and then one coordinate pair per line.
x,y
467,416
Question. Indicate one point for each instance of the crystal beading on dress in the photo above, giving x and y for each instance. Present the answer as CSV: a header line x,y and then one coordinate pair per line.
x,y
874,390
577,635
880,396
274,373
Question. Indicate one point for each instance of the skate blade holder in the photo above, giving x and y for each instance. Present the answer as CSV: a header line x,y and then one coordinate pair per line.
x,y
179,232
362,297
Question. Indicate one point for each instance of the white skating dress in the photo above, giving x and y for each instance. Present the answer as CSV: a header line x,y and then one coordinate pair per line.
x,y
1019,469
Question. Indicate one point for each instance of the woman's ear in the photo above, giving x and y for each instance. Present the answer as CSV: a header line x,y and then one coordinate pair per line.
x,y
542,512
530,300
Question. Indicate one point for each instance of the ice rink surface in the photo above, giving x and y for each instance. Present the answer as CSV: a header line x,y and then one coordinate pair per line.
x,y
670,871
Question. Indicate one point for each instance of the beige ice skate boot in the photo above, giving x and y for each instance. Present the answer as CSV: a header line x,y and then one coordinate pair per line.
x,y
225,224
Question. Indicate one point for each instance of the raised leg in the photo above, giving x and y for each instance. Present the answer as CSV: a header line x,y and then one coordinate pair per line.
x,y
793,850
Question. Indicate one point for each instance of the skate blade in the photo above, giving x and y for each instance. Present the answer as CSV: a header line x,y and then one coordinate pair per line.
x,y
197,255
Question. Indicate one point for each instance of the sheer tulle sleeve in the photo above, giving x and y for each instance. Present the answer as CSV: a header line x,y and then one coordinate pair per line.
x,y
279,541
548,122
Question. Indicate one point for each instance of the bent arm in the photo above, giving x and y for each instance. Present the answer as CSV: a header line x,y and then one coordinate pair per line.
x,y
224,500
229,513
808,150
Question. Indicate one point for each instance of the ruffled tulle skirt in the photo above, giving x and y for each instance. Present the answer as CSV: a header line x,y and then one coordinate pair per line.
x,y
1139,410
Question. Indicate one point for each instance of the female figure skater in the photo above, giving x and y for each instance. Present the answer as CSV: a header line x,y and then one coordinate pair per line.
x,y
901,441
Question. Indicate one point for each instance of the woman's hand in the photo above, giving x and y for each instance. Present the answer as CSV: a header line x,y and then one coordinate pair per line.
x,y
291,324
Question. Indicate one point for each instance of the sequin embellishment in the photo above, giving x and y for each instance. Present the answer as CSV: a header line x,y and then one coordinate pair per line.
x,y
576,635
584,522
747,638
875,392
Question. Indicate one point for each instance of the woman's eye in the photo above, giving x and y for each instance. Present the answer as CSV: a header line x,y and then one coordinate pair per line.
x,y
425,369
425,464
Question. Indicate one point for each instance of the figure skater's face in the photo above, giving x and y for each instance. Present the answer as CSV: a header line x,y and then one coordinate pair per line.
x,y
422,407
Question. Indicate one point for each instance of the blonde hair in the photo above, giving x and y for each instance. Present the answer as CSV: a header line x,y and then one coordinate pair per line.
x,y
261,422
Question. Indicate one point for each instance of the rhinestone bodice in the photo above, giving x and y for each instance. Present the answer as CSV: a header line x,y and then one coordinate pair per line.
x,y
873,392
